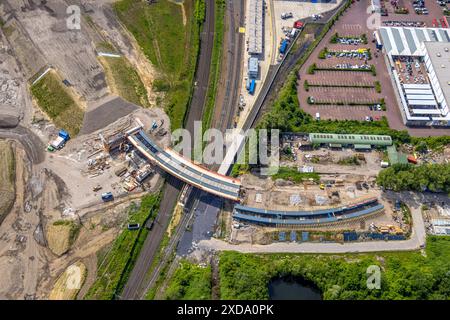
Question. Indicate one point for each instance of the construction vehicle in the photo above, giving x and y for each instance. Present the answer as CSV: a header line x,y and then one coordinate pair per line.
x,y
322,186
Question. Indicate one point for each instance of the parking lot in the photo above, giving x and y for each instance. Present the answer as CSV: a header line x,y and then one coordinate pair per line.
x,y
350,73
425,11
353,23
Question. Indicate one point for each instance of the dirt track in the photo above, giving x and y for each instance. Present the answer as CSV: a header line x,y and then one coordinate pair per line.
x,y
32,144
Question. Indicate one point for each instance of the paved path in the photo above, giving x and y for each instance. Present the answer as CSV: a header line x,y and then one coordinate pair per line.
x,y
413,200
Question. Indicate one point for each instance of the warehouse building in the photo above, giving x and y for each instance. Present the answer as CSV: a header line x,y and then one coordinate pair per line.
x,y
253,67
419,62
255,27
358,141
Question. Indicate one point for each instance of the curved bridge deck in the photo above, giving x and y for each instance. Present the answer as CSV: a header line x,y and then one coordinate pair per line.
x,y
184,169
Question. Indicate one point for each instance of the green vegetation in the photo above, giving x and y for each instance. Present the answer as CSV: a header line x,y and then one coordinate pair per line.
x,y
307,85
323,53
405,275
345,103
430,177
124,81
350,161
313,68
170,45
216,59
190,282
58,103
115,266
199,11
292,174
433,143
336,37
401,11
378,86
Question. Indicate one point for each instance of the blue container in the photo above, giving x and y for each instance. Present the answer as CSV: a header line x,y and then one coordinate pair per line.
x,y
63,134
252,87
283,46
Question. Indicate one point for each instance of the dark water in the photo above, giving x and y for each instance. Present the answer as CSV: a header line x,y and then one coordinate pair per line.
x,y
291,288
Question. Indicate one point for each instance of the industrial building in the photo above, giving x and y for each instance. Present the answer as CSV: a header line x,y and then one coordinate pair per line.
x,y
253,67
358,141
419,62
255,27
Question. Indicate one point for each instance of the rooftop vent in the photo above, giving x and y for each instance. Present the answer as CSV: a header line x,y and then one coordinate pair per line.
x,y
442,65
446,49
438,54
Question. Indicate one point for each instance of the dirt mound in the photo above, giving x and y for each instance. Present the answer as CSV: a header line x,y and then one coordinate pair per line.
x,y
69,282
61,235
9,117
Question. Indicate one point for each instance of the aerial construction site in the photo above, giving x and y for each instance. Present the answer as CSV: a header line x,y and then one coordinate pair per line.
x,y
100,100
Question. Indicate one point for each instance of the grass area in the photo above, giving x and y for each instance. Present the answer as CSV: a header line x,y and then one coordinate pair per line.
x,y
124,81
7,178
190,282
404,275
116,265
292,174
58,103
216,59
171,46
350,161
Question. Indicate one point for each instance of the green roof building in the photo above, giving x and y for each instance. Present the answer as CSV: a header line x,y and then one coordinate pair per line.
x,y
359,141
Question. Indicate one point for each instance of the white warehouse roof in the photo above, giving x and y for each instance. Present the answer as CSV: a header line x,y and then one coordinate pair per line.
x,y
422,103
400,41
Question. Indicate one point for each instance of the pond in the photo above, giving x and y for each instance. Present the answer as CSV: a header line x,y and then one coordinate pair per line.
x,y
293,288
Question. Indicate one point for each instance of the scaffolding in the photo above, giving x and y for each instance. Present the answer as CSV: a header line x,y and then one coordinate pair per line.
x,y
255,27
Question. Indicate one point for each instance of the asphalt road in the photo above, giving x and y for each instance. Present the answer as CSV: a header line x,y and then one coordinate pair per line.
x,y
138,280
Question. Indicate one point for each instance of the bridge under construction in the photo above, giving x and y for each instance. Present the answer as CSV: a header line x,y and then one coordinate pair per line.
x,y
184,169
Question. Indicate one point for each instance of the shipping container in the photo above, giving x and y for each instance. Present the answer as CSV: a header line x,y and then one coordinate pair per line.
x,y
252,86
